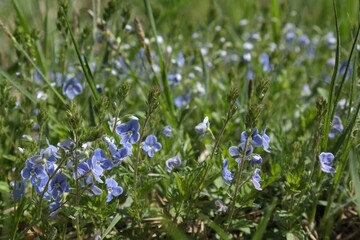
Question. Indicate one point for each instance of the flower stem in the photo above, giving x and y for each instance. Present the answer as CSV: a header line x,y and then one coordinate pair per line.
x,y
238,174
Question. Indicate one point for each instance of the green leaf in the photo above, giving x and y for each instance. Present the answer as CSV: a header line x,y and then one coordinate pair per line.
x,y
260,231
222,233
112,225
4,187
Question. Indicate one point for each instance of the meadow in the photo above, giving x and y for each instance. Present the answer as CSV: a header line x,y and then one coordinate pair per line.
x,y
179,119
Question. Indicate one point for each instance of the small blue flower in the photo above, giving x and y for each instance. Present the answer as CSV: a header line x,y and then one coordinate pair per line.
x,y
151,145
113,189
336,127
342,69
18,188
180,59
102,160
303,41
255,159
66,145
118,154
256,139
250,75
167,131
51,150
72,87
265,141
174,79
129,131
36,173
290,36
182,101
86,174
256,179
203,128
226,173
173,162
265,61
91,169
54,208
326,158
58,185
237,151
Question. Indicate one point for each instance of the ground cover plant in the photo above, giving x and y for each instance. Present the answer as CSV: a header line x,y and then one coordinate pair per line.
x,y
179,119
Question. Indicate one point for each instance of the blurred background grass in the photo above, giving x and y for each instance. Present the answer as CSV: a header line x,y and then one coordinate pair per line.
x,y
188,14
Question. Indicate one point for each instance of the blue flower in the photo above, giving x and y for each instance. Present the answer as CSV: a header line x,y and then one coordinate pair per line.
x,y
18,188
129,131
36,173
182,101
167,131
173,162
72,87
326,158
54,208
303,41
226,173
180,59
91,169
237,151
174,79
118,154
250,75
58,185
265,61
86,173
255,159
342,69
201,128
204,128
66,145
256,179
51,150
265,141
336,127
102,160
290,36
113,189
151,145
257,140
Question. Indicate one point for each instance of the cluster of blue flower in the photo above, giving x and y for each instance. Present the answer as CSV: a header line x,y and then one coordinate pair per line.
x,y
245,150
49,171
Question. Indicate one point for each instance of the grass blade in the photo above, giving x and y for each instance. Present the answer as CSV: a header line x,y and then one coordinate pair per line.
x,y
346,70
165,83
329,112
86,70
353,169
112,225
260,231
18,86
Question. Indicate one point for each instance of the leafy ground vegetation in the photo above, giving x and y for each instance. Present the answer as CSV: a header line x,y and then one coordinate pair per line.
x,y
179,119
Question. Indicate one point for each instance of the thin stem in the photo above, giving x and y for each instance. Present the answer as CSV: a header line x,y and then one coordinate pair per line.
x,y
77,197
238,174
217,142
